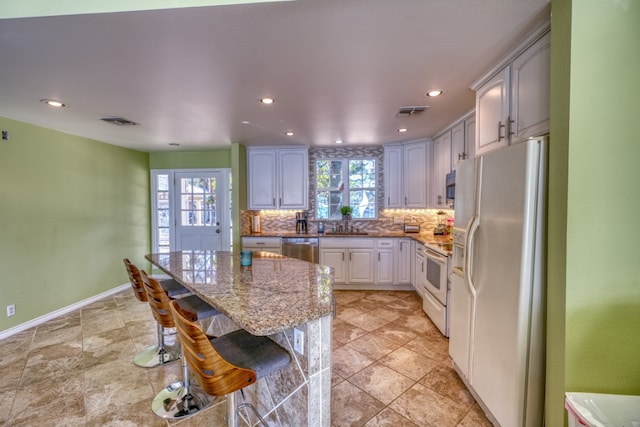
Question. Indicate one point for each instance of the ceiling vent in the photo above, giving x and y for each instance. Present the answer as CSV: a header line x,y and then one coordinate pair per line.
x,y
412,111
118,121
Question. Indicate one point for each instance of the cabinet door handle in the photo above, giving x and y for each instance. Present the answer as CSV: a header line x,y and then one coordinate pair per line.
x,y
349,256
274,202
405,200
280,202
439,200
500,127
342,256
388,200
378,256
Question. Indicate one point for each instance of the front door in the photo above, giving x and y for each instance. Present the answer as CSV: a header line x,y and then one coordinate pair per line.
x,y
201,211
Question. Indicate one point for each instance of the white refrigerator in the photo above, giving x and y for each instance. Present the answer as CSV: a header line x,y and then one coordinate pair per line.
x,y
497,291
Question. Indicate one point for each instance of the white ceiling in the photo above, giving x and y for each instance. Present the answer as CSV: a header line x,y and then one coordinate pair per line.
x,y
339,69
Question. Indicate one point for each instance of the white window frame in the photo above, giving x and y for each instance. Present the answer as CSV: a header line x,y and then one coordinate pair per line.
x,y
346,191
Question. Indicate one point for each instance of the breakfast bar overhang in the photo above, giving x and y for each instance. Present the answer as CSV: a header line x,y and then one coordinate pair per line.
x,y
272,297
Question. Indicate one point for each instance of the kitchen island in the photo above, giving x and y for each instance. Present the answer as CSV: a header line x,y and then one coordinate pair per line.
x,y
274,296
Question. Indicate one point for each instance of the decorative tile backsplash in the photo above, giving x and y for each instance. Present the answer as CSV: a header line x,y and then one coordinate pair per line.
x,y
284,220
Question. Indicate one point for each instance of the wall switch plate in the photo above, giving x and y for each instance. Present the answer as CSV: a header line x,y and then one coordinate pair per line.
x,y
298,340
11,310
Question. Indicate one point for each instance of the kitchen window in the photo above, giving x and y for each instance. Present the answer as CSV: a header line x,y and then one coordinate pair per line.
x,y
349,182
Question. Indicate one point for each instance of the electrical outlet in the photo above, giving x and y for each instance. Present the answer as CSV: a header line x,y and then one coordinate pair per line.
x,y
11,310
398,220
298,340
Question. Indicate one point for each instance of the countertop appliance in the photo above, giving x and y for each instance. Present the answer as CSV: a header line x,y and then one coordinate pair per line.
x,y
496,305
450,183
304,248
301,222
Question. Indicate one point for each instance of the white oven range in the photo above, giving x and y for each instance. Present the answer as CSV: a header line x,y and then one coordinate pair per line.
x,y
435,294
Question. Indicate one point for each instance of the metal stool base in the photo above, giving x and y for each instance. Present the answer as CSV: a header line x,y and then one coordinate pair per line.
x,y
174,404
153,356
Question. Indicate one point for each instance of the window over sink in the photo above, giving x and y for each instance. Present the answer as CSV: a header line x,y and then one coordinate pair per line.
x,y
351,182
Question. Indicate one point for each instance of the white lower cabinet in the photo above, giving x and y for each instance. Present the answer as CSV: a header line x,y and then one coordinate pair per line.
x,y
336,258
360,268
368,263
404,262
385,261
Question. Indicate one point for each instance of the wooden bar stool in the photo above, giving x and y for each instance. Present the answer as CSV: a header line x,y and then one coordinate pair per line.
x,y
157,354
228,363
178,400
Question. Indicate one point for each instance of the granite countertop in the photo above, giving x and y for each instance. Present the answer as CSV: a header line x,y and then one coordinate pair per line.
x,y
427,238
274,294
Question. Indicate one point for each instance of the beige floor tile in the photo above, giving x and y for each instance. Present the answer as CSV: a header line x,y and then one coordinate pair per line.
x,y
367,321
444,380
409,363
344,332
381,382
351,406
389,418
373,346
475,418
39,401
396,333
425,407
346,361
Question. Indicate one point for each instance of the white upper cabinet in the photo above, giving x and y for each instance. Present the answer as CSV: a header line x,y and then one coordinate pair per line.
x,y
278,178
492,113
530,83
440,167
513,104
405,175
415,175
393,165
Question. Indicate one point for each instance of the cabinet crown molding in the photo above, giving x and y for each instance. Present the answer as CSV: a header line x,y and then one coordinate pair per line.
x,y
535,35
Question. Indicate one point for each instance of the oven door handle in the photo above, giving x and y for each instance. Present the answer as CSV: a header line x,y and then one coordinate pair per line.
x,y
433,255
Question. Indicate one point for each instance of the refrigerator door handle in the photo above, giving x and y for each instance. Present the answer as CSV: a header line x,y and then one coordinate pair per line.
x,y
473,227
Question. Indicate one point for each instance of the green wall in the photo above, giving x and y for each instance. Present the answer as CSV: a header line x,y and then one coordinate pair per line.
x,y
596,132
26,8
216,159
71,209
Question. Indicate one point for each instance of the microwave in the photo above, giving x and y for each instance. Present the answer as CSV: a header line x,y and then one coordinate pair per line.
x,y
451,188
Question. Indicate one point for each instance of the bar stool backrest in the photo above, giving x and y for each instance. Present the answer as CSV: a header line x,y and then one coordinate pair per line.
x,y
216,376
136,280
158,300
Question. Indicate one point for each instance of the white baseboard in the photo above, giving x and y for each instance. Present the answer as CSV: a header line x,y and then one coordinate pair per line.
x,y
45,318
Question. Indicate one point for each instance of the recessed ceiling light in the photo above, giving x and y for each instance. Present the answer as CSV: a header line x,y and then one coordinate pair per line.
x,y
245,122
53,103
290,134
338,141
267,100
402,130
433,93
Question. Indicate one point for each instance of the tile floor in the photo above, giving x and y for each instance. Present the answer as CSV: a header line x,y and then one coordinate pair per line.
x,y
390,367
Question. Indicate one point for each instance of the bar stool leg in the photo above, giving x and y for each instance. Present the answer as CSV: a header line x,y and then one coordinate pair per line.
x,y
232,415
179,400
155,355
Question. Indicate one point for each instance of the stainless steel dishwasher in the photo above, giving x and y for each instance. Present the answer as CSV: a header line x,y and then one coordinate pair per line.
x,y
304,248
